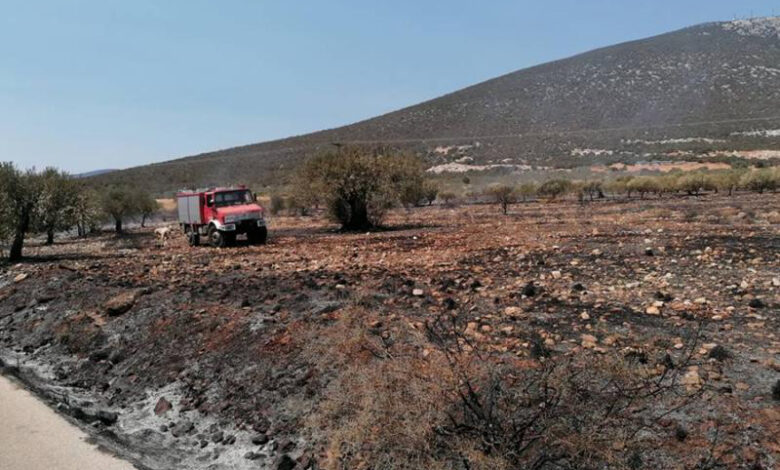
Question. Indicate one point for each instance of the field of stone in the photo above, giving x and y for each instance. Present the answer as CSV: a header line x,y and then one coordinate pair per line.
x,y
619,334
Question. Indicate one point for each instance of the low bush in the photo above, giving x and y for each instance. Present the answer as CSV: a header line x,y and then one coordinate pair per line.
x,y
407,398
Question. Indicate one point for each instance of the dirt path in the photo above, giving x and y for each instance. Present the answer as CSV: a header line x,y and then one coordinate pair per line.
x,y
34,437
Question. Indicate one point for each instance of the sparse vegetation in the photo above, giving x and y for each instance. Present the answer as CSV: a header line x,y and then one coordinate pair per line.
x,y
503,195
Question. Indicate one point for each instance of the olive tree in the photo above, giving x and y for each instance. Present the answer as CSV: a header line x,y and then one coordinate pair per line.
x,y
145,206
503,195
760,180
87,210
527,190
555,188
359,184
21,192
57,205
119,203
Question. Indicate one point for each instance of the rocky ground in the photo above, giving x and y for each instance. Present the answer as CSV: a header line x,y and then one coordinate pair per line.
x,y
183,357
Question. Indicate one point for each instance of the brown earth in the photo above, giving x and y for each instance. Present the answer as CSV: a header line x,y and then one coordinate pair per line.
x,y
315,347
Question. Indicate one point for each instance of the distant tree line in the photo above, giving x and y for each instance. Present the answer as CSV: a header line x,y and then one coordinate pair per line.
x,y
52,201
693,183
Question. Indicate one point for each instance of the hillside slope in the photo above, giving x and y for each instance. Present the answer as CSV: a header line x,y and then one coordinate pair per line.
x,y
715,85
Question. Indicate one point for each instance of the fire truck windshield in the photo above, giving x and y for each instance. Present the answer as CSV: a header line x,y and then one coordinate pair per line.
x,y
233,198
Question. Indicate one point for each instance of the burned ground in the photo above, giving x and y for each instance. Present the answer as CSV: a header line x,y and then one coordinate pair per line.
x,y
278,354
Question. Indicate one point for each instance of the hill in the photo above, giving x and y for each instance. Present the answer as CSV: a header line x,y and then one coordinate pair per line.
x,y
89,174
712,87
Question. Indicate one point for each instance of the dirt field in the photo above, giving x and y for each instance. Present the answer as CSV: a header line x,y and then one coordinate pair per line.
x,y
333,349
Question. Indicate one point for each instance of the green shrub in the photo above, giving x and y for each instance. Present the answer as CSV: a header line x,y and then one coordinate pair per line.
x,y
360,184
760,180
555,188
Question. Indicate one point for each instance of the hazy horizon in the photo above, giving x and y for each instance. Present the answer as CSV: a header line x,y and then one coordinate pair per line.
x,y
96,85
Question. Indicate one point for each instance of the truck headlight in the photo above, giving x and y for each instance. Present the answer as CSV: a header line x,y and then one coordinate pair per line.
x,y
230,219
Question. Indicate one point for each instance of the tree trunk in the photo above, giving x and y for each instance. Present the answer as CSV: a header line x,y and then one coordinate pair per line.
x,y
118,225
143,220
50,236
15,253
358,219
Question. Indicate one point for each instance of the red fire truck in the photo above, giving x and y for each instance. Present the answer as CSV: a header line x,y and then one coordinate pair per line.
x,y
220,214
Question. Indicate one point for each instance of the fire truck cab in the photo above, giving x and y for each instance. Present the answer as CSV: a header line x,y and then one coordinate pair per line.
x,y
220,215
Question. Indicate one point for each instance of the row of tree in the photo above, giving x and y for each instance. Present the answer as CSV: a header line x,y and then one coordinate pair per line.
x,y
51,201
691,183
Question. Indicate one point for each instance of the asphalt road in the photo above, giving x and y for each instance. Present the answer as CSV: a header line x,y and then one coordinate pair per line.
x,y
34,437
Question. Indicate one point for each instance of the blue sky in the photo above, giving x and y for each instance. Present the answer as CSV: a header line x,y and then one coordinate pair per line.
x,y
92,84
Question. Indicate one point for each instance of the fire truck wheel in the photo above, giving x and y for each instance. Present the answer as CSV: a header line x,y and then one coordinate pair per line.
x,y
258,236
216,238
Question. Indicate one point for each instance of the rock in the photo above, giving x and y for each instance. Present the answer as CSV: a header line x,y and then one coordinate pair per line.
x,y
162,406
589,341
776,282
120,304
578,287
418,292
529,290
20,277
649,252
217,436
556,274
251,456
691,379
757,303
700,301
284,462
513,311
259,439
652,310
776,390
584,316
229,440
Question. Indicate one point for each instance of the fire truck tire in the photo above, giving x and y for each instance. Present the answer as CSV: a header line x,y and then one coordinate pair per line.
x,y
217,238
258,236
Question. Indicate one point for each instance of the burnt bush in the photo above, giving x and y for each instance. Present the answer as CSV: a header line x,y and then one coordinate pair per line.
x,y
403,397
